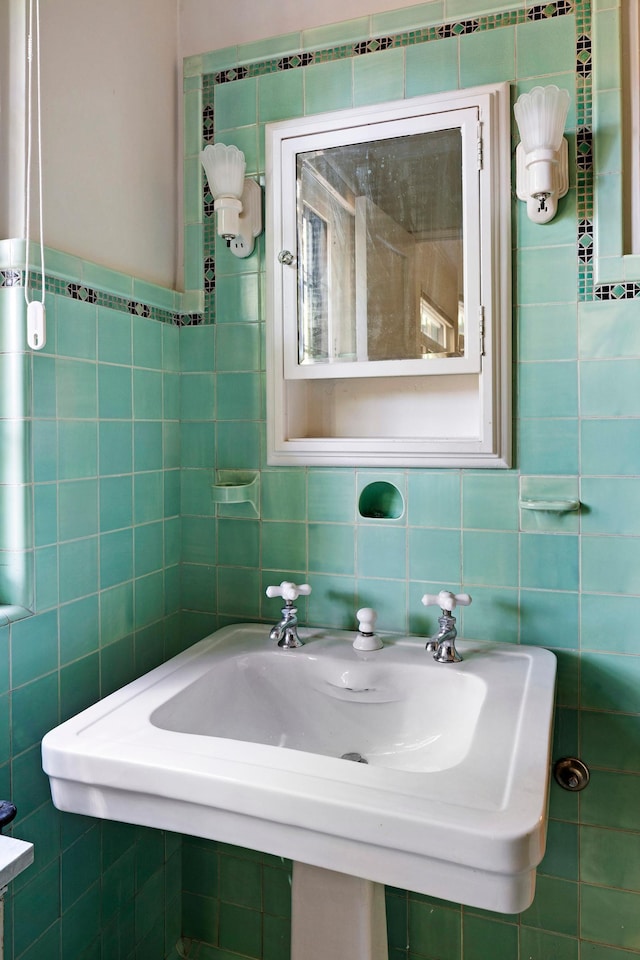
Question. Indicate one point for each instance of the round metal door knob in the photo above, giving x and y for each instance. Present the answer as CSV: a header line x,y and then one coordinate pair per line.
x,y
571,773
286,257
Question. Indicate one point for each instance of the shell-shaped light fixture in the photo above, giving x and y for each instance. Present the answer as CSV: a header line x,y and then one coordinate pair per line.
x,y
541,157
225,166
237,201
541,115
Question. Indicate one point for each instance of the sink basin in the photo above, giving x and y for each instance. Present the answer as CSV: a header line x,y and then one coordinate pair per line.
x,y
240,741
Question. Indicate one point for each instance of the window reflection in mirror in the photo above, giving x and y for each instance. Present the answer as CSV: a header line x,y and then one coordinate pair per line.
x,y
380,250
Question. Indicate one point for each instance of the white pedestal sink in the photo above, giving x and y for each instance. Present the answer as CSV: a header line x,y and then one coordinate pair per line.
x,y
240,741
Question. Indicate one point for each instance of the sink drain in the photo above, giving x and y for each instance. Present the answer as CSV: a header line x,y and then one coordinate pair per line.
x,y
356,757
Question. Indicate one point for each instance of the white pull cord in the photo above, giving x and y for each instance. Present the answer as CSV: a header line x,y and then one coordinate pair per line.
x,y
36,323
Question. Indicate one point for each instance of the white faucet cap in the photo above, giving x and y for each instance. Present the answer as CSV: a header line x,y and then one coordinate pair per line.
x,y
289,590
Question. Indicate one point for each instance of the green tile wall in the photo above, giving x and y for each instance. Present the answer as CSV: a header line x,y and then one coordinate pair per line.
x,y
103,405
572,585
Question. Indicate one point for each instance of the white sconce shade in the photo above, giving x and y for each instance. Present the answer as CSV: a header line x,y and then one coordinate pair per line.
x,y
542,169
237,201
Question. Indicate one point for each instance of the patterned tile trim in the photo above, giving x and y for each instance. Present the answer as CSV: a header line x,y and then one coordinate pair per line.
x,y
77,291
456,28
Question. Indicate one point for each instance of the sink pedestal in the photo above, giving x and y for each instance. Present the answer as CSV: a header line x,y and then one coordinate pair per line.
x,y
336,915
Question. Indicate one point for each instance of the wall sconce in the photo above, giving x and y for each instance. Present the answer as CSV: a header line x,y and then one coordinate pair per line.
x,y
238,201
542,167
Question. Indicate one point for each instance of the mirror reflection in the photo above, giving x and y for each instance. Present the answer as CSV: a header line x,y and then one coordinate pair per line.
x,y
380,250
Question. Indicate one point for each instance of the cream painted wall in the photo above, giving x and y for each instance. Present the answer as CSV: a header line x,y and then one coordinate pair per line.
x,y
213,24
110,144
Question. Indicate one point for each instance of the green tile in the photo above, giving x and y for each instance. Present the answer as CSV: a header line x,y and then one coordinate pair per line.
x,y
240,930
147,445
238,445
331,548
238,347
43,388
280,95
79,628
114,392
46,577
147,343
116,613
549,562
610,857
77,509
433,498
556,264
197,396
116,503
237,299
610,682
200,866
116,557
336,34
199,540
438,927
548,447
561,855
241,882
610,916
547,332
239,542
612,506
434,555
198,444
197,349
540,945
549,619
76,389
487,57
490,502
35,907
555,906
147,394
283,494
548,389
543,46
417,15
149,600
200,917
284,545
34,647
331,495
333,601
29,725
607,388
148,548
493,615
610,740
80,866
239,592
239,396
611,564
76,328
278,46
77,450
276,937
381,551
388,598
378,77
607,329
612,800
78,562
236,104
116,450
485,938
328,86
490,558
276,891
245,139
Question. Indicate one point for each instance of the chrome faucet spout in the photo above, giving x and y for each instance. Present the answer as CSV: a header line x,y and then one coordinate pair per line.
x,y
285,633
443,643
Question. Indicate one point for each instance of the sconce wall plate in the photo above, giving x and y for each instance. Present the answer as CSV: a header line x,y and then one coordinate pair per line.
x,y
237,200
558,171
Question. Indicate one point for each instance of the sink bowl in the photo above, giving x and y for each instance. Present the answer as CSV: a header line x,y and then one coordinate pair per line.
x,y
240,741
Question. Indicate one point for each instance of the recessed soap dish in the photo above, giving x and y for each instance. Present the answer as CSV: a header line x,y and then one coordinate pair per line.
x,y
550,506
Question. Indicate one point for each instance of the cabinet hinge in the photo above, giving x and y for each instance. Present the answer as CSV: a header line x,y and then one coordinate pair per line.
x,y
480,148
481,324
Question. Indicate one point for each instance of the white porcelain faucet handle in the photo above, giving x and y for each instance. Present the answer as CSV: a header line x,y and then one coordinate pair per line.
x,y
289,591
446,600
366,620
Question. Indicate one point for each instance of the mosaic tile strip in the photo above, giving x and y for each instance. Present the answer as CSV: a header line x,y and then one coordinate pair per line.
x,y
456,28
77,291
583,104
629,290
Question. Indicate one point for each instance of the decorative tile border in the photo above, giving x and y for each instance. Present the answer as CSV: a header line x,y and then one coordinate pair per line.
x,y
78,291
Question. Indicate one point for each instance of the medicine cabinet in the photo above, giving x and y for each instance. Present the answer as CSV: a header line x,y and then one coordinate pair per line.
x,y
388,272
